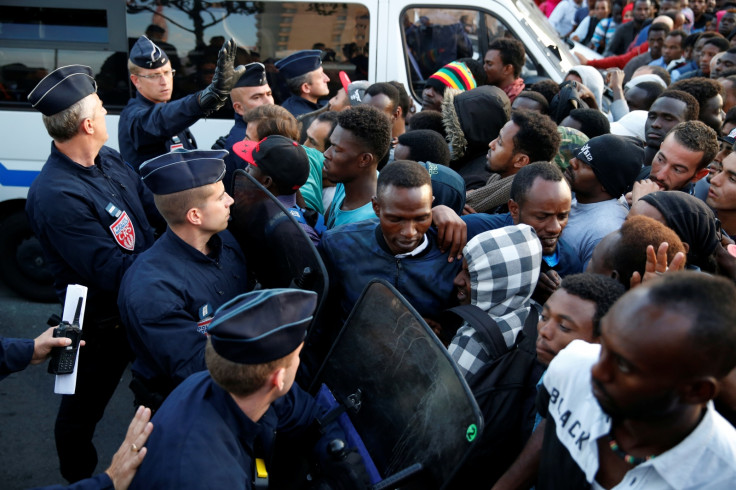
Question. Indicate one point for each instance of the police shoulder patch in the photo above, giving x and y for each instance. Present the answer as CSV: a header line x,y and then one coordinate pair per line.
x,y
123,231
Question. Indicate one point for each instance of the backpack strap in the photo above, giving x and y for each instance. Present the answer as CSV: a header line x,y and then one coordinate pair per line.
x,y
486,327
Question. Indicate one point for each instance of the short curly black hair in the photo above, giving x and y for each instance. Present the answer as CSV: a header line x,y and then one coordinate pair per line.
x,y
369,125
426,145
537,137
594,122
691,103
601,290
511,51
703,89
549,88
524,179
536,97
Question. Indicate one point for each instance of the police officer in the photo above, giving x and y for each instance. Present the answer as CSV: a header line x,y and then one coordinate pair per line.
x,y
92,215
306,80
151,125
215,427
168,297
250,91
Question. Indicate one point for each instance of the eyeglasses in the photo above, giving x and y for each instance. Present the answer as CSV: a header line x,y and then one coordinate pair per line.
x,y
157,76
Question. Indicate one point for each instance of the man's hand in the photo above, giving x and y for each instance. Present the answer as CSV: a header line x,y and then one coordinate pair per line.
x,y
130,455
226,75
586,95
616,82
549,282
468,209
642,188
656,265
583,60
452,233
43,344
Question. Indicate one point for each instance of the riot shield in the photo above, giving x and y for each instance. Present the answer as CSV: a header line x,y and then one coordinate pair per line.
x,y
402,392
278,252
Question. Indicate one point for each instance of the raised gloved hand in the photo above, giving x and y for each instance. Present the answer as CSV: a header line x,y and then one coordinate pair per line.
x,y
226,75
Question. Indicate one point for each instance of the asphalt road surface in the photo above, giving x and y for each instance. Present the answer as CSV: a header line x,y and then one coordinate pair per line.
x,y
28,407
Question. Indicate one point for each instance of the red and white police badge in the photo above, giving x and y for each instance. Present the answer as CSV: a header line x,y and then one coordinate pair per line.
x,y
122,230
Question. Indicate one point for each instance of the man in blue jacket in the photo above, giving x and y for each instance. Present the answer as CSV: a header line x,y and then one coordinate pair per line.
x,y
93,216
151,124
168,297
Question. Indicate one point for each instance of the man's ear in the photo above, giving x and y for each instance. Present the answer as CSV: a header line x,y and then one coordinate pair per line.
x,y
194,216
700,174
376,206
277,379
398,113
135,80
306,88
514,210
267,182
365,159
699,391
520,160
238,108
508,70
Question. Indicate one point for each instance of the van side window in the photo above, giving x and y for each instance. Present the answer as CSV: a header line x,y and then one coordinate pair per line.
x,y
434,37
264,32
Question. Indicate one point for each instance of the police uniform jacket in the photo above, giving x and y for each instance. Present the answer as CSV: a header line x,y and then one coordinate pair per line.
x,y
15,355
91,222
167,300
147,130
204,440
299,105
425,280
232,162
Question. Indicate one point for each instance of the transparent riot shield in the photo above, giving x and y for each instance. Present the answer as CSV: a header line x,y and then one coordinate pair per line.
x,y
402,392
278,252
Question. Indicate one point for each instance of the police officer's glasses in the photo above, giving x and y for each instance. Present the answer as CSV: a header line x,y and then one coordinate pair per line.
x,y
157,76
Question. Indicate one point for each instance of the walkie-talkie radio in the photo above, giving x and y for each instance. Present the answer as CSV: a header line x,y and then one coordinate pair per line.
x,y
63,358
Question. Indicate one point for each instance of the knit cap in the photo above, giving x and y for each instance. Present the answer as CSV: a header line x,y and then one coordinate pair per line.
x,y
454,75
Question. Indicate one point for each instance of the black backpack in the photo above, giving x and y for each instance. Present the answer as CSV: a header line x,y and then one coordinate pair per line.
x,y
505,390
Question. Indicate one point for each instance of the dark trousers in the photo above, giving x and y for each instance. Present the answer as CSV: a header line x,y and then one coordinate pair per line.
x,y
102,362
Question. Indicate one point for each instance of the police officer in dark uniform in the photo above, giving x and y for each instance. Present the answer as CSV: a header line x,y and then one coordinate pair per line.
x,y
151,124
168,297
250,91
217,429
306,80
93,216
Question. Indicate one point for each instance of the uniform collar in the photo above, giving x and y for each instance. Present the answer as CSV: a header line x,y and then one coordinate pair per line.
x,y
215,244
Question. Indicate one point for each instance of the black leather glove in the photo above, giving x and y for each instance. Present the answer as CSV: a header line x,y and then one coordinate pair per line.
x,y
226,75
341,469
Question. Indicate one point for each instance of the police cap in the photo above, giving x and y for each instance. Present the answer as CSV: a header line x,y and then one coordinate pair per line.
x,y
300,63
62,88
147,55
183,169
262,326
254,76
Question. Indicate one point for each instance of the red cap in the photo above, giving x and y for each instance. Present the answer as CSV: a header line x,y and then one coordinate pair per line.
x,y
345,79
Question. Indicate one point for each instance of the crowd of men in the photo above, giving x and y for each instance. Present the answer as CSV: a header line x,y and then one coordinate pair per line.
x,y
571,206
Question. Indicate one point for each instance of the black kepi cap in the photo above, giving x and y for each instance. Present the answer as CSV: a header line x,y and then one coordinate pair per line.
x,y
299,63
146,54
62,88
181,170
262,326
254,76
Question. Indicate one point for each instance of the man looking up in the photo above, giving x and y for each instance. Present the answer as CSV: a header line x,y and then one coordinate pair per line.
x,y
358,143
603,170
503,63
527,137
151,124
92,216
669,109
306,80
168,298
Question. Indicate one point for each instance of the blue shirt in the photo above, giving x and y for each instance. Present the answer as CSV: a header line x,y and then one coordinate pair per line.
x,y
337,217
15,355
167,300
299,105
232,161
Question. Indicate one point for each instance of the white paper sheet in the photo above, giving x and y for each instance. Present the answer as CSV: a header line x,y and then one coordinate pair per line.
x,y
66,384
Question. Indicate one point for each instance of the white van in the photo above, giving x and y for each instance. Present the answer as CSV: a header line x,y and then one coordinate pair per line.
x,y
369,39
